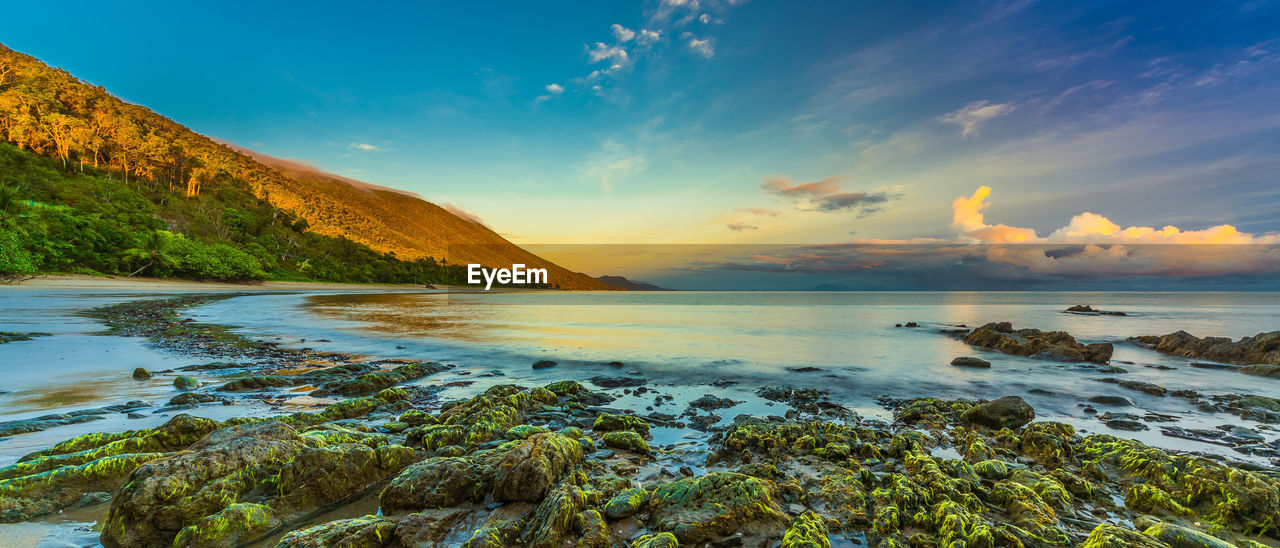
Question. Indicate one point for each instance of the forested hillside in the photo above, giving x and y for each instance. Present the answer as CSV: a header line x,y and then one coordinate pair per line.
x,y
91,183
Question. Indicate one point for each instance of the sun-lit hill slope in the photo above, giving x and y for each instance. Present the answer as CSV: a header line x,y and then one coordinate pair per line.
x,y
49,112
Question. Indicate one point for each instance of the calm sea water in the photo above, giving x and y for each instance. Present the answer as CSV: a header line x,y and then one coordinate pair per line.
x,y
758,338
681,339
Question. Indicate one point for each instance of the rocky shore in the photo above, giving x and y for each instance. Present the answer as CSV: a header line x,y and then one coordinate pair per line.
x,y
380,463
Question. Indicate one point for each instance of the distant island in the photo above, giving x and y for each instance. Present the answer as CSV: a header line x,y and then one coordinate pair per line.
x,y
623,283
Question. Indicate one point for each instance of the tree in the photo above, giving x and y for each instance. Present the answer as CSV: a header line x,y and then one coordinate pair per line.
x,y
154,248
8,200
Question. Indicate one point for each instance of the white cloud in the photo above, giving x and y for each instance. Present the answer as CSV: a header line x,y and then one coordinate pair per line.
x,y
602,52
555,88
705,18
364,146
702,47
648,37
623,34
974,114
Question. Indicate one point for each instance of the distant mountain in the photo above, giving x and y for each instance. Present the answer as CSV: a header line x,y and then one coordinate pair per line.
x,y
623,283
212,193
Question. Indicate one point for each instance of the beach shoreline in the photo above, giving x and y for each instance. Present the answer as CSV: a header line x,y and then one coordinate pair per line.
x,y
608,440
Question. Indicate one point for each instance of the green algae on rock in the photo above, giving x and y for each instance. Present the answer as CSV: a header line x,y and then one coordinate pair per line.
x,y
627,441
234,525
626,503
609,422
714,505
806,530
362,532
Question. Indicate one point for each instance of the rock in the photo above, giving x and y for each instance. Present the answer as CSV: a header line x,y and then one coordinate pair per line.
x,y
1219,366
442,481
430,527
616,382
532,468
268,461
377,380
1263,348
660,540
1053,345
712,403
1262,370
141,374
543,364
1082,308
714,505
1115,401
806,530
256,382
991,469
1177,536
627,440
609,422
1006,412
192,398
967,361
362,532
1149,388
56,478
184,382
1106,535
1126,424
804,369
233,526
626,503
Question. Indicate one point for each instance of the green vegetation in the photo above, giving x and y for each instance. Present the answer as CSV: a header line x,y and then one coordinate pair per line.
x,y
92,222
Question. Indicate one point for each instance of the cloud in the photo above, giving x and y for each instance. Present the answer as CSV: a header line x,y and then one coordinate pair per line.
x,y
460,212
739,227
1089,228
555,88
825,195
623,34
602,52
760,211
702,47
648,37
974,114
611,163
364,146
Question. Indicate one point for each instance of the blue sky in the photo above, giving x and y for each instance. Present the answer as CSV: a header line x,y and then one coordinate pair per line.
x,y
703,120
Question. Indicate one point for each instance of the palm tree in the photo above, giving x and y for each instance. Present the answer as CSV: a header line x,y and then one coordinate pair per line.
x,y
154,248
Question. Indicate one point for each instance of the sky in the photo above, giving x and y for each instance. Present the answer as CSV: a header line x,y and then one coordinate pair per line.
x,y
733,122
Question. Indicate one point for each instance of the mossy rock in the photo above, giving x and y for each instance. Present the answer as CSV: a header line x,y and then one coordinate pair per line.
x,y
370,382
256,382
807,530
991,469
266,462
438,482
532,468
1106,535
185,382
1006,412
233,526
715,505
414,417
141,374
626,503
362,532
1178,536
555,517
609,422
660,540
627,441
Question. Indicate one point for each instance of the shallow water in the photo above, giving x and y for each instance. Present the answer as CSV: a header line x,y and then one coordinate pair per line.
x,y
680,342
754,337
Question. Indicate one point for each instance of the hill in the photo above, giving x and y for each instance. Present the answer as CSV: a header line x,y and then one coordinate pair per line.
x,y
621,282
125,170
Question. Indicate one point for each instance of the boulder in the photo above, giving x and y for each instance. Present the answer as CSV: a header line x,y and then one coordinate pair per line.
x,y
1177,536
184,382
1263,348
627,441
968,361
267,462
1106,535
715,505
141,374
1115,401
626,504
1051,345
1006,412
543,364
362,532
532,468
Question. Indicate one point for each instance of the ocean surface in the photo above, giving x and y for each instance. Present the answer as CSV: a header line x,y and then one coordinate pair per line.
x,y
846,342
